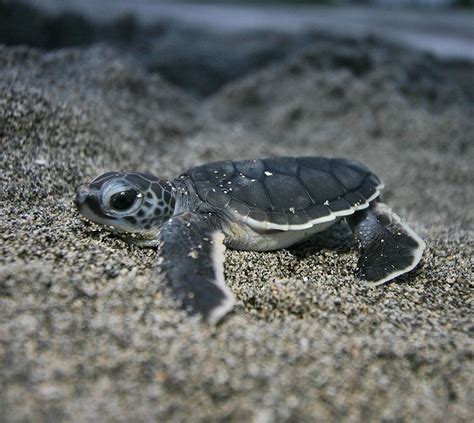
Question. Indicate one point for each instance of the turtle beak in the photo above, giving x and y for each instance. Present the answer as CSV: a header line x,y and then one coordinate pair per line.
x,y
82,194
87,202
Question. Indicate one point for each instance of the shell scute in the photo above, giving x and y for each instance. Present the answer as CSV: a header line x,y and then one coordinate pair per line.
x,y
259,215
354,198
240,208
251,168
367,189
278,217
285,190
217,198
253,194
321,185
339,205
349,177
298,218
318,211
354,164
319,163
279,193
284,165
199,174
203,186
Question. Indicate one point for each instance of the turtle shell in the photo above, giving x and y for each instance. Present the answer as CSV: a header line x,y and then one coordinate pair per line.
x,y
286,193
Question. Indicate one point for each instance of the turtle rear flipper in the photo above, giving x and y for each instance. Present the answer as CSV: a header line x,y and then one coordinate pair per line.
x,y
192,260
388,248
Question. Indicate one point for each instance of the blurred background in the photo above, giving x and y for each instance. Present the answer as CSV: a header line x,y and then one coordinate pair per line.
x,y
200,46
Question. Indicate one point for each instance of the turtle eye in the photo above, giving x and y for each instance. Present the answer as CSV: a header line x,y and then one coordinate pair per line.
x,y
123,200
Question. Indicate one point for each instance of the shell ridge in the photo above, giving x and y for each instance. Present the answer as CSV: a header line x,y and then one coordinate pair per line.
x,y
267,193
333,174
304,186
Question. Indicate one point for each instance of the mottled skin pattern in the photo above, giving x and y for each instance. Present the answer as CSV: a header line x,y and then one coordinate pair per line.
x,y
157,199
261,204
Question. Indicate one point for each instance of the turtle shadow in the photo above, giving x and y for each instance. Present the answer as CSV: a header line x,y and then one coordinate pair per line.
x,y
337,238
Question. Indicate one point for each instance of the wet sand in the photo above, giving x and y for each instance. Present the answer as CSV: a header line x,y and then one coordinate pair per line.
x,y
86,330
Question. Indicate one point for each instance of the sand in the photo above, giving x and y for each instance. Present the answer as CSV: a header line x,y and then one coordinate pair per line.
x,y
87,332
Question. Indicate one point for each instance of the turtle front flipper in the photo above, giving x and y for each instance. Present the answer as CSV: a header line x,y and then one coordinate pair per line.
x,y
388,248
192,260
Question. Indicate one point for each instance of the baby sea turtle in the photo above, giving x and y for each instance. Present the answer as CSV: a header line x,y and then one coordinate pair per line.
x,y
259,205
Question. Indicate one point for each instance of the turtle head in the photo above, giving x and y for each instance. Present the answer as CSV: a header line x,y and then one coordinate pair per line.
x,y
134,205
